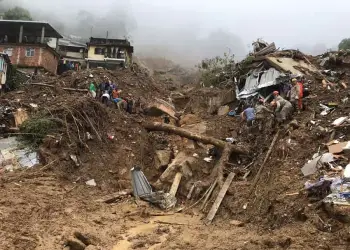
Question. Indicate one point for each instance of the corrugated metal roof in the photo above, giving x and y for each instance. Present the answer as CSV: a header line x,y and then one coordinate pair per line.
x,y
67,42
254,83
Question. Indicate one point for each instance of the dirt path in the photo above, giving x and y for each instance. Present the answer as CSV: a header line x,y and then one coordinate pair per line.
x,y
37,211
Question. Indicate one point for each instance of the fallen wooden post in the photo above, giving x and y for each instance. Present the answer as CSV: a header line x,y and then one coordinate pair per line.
x,y
191,191
41,84
176,183
220,165
219,199
114,197
157,126
264,162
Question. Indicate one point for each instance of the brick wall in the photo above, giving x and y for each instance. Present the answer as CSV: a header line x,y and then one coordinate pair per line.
x,y
43,57
49,61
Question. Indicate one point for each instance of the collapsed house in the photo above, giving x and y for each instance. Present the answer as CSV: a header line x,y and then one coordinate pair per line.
x,y
268,69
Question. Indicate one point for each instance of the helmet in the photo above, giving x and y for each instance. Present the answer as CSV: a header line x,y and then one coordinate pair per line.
x,y
275,93
294,80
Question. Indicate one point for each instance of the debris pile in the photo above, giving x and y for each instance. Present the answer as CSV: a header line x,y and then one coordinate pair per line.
x,y
189,149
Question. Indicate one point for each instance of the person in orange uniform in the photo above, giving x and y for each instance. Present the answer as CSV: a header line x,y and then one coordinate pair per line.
x,y
296,94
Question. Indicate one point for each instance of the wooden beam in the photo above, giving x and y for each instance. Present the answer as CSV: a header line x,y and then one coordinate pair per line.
x,y
219,199
176,183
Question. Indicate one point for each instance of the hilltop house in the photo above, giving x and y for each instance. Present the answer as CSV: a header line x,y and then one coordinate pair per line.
x,y
108,53
25,42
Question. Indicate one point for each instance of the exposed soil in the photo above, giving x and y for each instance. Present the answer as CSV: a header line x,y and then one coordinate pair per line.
x,y
51,207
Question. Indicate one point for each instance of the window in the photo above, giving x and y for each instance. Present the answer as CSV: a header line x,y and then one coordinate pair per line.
x,y
30,52
8,51
99,51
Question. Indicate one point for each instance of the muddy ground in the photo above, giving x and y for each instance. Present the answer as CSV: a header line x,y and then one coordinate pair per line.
x,y
51,207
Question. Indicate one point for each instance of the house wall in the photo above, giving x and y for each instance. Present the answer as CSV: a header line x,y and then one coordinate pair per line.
x,y
43,57
91,53
72,54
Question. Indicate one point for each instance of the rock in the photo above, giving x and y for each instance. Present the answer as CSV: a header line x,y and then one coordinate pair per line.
x,y
163,158
237,223
83,238
91,182
75,244
160,107
223,110
223,98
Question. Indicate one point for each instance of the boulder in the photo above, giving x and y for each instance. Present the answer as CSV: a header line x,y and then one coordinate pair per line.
x,y
162,158
160,107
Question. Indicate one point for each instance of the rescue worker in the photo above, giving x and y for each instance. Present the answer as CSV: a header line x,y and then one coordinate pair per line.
x,y
283,109
261,113
296,94
277,96
248,115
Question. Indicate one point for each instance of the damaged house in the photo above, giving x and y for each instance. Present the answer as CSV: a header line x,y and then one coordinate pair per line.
x,y
72,55
25,42
268,69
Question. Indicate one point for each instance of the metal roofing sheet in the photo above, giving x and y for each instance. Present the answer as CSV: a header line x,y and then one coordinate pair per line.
x,y
254,83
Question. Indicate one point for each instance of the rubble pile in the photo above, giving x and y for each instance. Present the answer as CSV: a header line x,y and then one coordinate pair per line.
x,y
191,144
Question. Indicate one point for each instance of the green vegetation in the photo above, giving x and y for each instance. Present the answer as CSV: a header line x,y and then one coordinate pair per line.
x,y
35,129
217,70
18,13
344,44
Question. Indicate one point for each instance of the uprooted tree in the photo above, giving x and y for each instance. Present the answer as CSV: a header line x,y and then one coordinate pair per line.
x,y
227,148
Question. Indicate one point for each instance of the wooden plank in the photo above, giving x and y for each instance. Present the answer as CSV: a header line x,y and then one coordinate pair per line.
x,y
175,185
219,198
208,195
115,196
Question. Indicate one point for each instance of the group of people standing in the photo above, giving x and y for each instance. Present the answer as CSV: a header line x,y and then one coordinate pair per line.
x,y
281,108
108,92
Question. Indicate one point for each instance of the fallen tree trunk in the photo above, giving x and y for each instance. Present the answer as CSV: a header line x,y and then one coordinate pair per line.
x,y
157,126
41,84
228,149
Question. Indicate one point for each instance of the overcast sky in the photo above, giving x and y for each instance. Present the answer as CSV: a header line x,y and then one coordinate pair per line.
x,y
289,23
